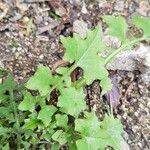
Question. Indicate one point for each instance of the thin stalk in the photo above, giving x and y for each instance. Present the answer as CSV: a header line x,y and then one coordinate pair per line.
x,y
16,117
111,56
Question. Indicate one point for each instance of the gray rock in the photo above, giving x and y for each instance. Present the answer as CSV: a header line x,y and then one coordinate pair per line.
x,y
119,5
80,27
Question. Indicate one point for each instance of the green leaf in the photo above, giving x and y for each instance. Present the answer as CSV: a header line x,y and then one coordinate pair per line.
x,y
8,84
60,136
42,80
3,97
26,145
84,52
7,113
62,70
71,101
6,147
88,143
117,26
143,23
62,121
111,130
46,113
31,123
55,146
95,136
89,126
72,145
28,102
3,131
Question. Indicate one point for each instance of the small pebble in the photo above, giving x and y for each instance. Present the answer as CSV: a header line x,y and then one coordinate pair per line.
x,y
25,19
80,27
41,56
14,49
140,145
136,114
19,48
148,104
84,10
119,5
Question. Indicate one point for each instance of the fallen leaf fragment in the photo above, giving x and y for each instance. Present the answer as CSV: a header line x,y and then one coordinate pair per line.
x,y
113,96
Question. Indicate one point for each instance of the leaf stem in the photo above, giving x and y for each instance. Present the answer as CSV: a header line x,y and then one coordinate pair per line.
x,y
111,56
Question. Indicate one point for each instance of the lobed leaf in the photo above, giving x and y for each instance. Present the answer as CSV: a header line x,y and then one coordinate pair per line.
x,y
46,113
90,126
42,80
71,101
3,131
31,123
28,102
111,131
90,131
84,52
60,136
98,136
117,26
62,121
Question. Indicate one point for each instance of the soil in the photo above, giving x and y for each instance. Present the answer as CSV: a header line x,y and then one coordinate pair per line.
x,y
21,52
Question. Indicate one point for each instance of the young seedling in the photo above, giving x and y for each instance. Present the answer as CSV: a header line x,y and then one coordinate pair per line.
x,y
32,117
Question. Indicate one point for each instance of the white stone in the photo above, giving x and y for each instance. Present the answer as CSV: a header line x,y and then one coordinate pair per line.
x,y
80,27
119,5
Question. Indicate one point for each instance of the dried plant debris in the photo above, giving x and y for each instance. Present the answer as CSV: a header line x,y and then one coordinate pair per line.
x,y
114,95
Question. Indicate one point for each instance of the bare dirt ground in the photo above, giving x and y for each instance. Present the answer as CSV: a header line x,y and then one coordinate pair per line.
x,y
21,51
